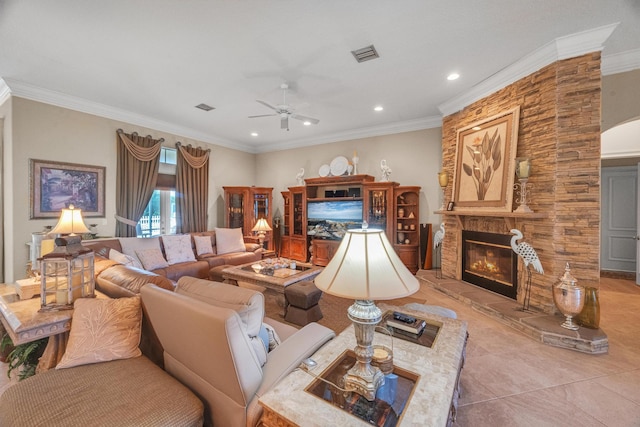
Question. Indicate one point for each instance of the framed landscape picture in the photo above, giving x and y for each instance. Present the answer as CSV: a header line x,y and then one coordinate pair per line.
x,y
56,185
485,160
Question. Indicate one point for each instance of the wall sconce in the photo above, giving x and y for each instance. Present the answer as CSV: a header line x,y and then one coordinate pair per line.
x,y
262,226
523,170
443,180
66,274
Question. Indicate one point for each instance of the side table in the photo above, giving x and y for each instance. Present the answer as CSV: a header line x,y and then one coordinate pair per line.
x,y
24,323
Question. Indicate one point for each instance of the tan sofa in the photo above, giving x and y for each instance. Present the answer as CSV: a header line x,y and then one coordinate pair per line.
x,y
209,334
118,280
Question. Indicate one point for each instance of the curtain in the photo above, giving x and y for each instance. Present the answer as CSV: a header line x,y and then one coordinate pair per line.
x,y
192,188
138,163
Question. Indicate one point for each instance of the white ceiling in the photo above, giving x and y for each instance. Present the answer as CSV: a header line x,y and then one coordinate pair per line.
x,y
150,62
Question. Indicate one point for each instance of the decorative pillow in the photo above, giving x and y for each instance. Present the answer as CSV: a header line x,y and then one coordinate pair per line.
x,y
229,240
103,330
132,244
123,259
178,248
203,245
152,259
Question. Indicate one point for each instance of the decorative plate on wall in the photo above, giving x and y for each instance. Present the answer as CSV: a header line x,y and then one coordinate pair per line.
x,y
325,170
339,166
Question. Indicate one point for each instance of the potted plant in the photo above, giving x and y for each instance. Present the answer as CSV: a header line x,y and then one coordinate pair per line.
x,y
24,358
6,347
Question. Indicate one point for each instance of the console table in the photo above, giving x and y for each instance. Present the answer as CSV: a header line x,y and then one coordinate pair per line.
x,y
434,399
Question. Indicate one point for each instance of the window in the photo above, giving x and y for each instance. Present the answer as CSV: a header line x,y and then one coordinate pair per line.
x,y
160,215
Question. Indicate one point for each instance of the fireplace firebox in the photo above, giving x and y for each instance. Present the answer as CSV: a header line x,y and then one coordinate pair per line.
x,y
489,262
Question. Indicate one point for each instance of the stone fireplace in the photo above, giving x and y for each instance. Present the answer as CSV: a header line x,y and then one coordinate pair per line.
x,y
489,262
559,129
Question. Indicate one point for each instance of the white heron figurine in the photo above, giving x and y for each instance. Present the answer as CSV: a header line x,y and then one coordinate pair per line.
x,y
530,258
437,244
438,237
300,177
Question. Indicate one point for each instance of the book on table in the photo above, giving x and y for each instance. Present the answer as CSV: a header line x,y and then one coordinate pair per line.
x,y
407,323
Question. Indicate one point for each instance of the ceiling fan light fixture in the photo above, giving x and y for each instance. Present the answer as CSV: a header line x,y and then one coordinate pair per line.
x,y
306,123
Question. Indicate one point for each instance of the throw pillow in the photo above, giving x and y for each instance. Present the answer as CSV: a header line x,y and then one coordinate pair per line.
x,y
152,259
123,259
103,330
203,245
274,339
229,240
178,248
132,244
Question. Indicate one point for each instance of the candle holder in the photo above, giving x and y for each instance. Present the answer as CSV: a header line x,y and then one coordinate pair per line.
x,y
355,161
443,180
522,188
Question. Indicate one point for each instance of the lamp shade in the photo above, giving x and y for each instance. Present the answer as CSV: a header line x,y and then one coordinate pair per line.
x,y
261,225
70,222
366,267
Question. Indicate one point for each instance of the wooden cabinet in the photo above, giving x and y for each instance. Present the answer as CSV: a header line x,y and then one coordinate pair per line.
x,y
294,239
379,206
323,251
245,205
407,226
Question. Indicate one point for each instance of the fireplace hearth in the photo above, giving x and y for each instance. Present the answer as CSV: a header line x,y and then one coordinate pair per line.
x,y
489,262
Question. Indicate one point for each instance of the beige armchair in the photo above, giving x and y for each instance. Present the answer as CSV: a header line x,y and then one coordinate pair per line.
x,y
209,330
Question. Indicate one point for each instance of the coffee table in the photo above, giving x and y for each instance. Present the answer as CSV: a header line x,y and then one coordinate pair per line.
x,y
280,279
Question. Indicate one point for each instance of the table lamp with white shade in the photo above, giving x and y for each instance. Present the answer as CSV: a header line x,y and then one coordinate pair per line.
x,y
366,268
70,222
261,227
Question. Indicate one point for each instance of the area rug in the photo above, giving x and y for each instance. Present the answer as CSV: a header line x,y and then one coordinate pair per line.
x,y
334,309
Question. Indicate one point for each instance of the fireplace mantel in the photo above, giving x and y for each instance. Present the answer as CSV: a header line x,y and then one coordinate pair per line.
x,y
509,217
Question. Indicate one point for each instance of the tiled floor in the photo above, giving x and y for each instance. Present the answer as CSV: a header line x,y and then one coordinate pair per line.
x,y
511,380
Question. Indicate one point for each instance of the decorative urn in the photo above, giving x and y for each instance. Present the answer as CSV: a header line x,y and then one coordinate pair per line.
x,y
569,298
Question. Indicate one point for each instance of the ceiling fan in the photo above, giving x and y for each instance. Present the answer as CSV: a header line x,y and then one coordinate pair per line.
x,y
285,111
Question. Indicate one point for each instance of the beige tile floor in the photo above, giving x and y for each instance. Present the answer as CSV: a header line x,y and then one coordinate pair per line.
x,y
511,380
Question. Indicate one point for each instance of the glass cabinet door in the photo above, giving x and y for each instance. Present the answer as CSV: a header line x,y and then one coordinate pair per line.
x,y
236,210
261,206
298,214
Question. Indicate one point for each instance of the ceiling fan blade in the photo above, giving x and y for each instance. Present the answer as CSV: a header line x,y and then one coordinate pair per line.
x,y
284,123
305,118
263,115
266,104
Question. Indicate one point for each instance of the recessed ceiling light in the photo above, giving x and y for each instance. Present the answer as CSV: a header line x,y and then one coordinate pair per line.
x,y
453,76
378,108
306,123
476,128
254,133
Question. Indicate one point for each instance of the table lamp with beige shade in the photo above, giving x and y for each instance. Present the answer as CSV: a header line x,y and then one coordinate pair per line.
x,y
261,227
366,268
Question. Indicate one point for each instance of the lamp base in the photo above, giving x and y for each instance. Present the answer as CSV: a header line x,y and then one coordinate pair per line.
x,y
363,378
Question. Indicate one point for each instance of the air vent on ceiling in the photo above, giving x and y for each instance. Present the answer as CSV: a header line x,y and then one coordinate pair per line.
x,y
205,107
365,54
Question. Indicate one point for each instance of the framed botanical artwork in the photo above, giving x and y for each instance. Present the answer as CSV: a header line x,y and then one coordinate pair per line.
x,y
485,161
56,185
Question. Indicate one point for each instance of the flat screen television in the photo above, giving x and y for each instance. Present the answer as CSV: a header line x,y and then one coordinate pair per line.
x,y
330,219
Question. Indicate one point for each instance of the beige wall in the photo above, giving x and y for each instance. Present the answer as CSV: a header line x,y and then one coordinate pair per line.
x,y
620,95
43,131
414,157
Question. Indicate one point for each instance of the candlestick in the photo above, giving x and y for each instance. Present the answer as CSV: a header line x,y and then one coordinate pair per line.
x,y
443,180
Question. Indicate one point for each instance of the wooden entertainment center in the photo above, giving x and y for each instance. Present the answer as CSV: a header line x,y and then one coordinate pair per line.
x,y
385,205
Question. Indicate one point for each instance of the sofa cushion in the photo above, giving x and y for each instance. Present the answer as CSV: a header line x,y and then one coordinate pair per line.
x,y
124,259
132,244
103,330
177,248
203,245
229,240
152,259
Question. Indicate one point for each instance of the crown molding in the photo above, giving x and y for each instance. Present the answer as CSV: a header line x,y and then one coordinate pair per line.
x,y
561,48
387,129
5,92
34,93
621,62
